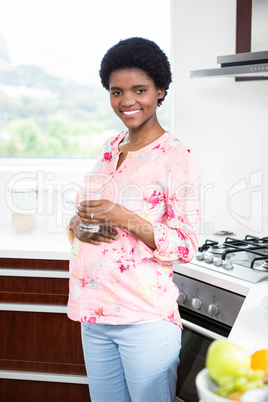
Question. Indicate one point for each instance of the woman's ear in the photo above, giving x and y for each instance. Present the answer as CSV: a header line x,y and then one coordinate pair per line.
x,y
161,92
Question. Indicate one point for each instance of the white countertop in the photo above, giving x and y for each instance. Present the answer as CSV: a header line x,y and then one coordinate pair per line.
x,y
36,244
250,330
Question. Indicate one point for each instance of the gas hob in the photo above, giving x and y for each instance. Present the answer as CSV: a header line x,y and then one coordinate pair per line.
x,y
245,259
215,283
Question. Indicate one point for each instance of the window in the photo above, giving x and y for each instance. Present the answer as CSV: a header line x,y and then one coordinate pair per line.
x,y
52,103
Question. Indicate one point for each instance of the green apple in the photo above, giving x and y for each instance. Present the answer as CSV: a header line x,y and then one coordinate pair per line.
x,y
225,360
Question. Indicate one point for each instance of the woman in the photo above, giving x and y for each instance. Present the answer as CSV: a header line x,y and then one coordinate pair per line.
x,y
121,287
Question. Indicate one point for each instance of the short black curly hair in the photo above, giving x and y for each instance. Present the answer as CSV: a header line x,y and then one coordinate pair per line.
x,y
139,53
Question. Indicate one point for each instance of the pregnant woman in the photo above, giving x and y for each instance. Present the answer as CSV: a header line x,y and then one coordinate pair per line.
x,y
121,287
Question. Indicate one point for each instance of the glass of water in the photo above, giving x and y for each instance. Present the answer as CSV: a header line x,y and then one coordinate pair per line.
x,y
90,191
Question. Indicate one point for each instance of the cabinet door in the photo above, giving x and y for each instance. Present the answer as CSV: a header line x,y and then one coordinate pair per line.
x,y
36,391
40,342
41,357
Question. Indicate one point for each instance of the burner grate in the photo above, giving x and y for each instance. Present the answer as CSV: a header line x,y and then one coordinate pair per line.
x,y
255,247
208,243
250,244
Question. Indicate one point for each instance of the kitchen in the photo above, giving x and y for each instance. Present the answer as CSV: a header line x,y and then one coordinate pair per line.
x,y
225,122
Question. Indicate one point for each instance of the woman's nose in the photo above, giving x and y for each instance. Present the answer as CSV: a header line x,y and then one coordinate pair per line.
x,y
128,100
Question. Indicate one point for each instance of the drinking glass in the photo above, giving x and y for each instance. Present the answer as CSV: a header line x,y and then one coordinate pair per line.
x,y
90,191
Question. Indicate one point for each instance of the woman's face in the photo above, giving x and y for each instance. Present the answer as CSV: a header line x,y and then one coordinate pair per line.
x,y
133,97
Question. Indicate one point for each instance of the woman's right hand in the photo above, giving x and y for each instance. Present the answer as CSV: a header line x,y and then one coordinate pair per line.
x,y
105,234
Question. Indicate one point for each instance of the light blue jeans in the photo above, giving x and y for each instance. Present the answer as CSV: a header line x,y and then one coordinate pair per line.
x,y
132,363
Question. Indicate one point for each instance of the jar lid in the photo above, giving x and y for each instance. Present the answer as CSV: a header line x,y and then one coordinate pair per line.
x,y
22,186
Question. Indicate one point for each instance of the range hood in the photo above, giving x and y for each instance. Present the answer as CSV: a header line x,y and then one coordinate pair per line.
x,y
247,65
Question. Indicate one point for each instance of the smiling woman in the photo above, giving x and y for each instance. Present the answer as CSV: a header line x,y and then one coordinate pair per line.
x,y
51,101
121,275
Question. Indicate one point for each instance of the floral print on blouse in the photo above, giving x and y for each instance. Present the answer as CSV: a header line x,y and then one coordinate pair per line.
x,y
126,281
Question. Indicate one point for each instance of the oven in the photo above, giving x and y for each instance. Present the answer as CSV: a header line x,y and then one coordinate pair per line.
x,y
204,319
209,311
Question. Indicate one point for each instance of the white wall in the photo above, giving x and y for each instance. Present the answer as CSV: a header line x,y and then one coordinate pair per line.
x,y
224,121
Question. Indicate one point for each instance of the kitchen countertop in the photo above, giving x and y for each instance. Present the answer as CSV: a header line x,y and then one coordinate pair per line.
x,y
250,330
36,244
39,243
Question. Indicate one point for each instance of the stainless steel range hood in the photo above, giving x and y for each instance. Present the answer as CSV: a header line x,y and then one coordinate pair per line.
x,y
253,64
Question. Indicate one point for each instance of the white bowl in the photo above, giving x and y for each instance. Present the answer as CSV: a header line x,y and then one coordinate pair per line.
x,y
256,395
206,388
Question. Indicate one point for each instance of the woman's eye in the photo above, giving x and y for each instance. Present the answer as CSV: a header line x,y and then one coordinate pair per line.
x,y
115,93
140,91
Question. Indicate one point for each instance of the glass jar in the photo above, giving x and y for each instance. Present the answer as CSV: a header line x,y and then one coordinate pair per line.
x,y
21,198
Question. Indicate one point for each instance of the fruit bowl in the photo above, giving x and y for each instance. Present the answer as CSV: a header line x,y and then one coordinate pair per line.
x,y
206,388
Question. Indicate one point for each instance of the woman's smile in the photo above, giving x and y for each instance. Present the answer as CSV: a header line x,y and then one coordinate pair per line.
x,y
131,113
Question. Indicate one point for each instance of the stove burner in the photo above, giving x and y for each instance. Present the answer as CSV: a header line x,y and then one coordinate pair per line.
x,y
217,248
256,240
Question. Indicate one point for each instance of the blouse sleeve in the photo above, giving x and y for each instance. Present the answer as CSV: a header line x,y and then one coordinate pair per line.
x,y
176,237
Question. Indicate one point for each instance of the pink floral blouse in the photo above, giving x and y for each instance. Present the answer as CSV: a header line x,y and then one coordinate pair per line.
x,y
126,281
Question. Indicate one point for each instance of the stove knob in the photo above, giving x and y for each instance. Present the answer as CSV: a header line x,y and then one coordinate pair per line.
x,y
228,265
200,257
217,262
196,303
208,259
213,310
181,297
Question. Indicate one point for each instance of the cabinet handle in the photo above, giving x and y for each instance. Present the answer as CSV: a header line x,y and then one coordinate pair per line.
x,y
37,273
46,377
34,308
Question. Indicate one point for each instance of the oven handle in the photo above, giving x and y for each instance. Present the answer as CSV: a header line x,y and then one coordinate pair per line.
x,y
201,330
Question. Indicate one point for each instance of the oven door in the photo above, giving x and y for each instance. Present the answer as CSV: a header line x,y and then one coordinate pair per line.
x,y
198,333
